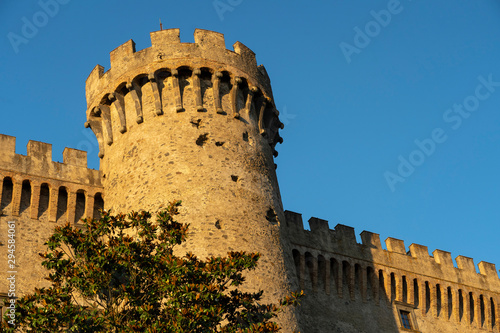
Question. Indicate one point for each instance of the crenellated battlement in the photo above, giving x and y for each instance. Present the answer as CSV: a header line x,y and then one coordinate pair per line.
x,y
38,162
208,50
171,77
166,48
340,243
36,184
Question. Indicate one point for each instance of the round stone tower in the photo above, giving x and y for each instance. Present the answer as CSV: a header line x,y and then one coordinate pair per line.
x,y
195,122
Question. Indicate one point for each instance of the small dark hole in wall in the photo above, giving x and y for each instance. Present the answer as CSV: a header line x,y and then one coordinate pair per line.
x,y
245,136
234,178
217,224
202,139
196,123
219,143
271,216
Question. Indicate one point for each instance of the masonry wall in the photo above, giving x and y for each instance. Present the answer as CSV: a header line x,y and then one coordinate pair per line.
x,y
355,287
39,194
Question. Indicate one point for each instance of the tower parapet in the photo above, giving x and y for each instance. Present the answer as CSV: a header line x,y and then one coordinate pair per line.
x,y
25,178
169,72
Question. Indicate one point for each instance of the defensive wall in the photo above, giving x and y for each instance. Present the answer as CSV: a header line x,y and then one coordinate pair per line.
x,y
334,269
39,194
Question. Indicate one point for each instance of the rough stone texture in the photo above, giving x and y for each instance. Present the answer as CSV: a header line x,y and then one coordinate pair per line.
x,y
197,122
39,194
355,287
188,129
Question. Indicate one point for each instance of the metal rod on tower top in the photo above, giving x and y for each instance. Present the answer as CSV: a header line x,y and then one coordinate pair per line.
x,y
161,25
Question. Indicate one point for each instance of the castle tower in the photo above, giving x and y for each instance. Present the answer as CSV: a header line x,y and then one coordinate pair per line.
x,y
195,122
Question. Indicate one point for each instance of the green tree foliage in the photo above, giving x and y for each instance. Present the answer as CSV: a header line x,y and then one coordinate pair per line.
x,y
121,274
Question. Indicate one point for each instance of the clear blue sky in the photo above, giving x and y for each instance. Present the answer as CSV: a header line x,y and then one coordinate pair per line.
x,y
356,89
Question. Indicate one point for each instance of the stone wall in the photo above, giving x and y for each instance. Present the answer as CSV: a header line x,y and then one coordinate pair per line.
x,y
39,194
356,287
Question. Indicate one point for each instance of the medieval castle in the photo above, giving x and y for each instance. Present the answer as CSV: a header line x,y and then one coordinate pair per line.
x,y
197,122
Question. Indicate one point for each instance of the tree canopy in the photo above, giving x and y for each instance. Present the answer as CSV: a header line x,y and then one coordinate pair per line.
x,y
120,273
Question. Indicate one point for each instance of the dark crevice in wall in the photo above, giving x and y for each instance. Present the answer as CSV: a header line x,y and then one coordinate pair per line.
x,y
202,139
271,216
196,123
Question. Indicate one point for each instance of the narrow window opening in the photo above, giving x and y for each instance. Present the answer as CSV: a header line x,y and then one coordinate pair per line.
x,y
381,286
493,312
450,302
471,308
334,272
346,275
460,305
98,205
438,300
310,268
43,205
62,202
405,319
296,260
25,196
393,287
416,293
7,188
369,283
427,297
481,305
405,290
322,278
80,206
358,280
